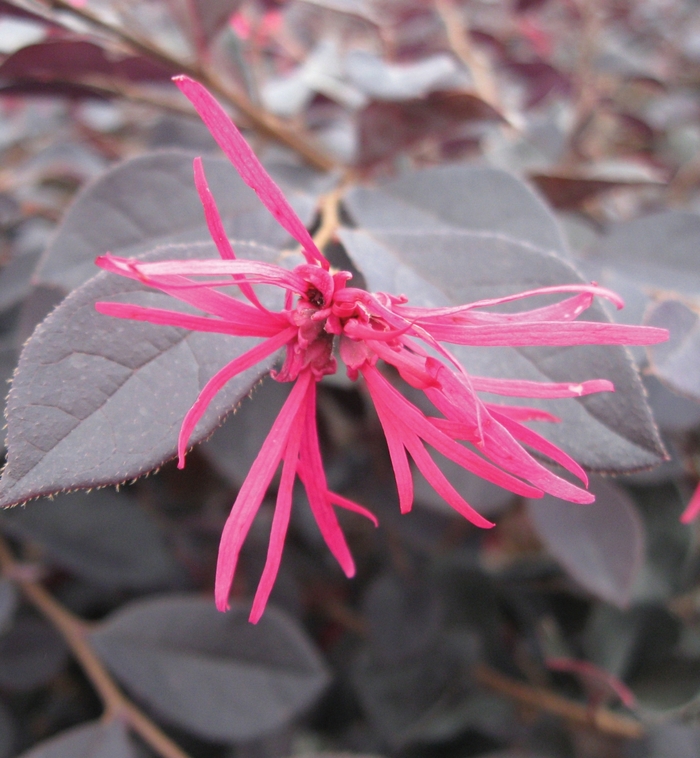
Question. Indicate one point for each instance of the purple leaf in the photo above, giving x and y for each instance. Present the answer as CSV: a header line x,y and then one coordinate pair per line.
x,y
31,654
91,740
8,605
97,401
600,545
476,198
677,362
608,431
71,59
150,201
213,674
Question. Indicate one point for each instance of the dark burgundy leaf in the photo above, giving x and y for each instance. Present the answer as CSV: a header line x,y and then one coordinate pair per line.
x,y
92,740
70,90
31,654
677,362
97,401
541,79
609,431
103,536
665,740
600,545
386,128
211,673
476,198
7,732
150,201
569,192
75,59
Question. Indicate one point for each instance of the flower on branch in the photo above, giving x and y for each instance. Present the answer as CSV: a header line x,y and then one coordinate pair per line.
x,y
322,317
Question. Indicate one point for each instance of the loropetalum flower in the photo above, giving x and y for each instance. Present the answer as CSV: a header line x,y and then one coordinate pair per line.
x,y
322,315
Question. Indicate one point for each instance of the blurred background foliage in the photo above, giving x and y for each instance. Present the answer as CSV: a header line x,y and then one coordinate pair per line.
x,y
563,633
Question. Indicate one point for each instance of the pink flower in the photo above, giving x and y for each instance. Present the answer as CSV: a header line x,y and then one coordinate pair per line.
x,y
321,312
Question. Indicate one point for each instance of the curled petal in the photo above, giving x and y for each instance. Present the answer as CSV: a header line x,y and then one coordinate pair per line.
x,y
248,166
253,490
523,388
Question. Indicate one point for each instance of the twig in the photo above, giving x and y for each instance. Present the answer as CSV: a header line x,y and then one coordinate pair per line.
x,y
74,631
264,122
541,699
458,37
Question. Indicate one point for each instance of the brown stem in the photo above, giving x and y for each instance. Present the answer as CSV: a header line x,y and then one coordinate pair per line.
x,y
460,42
541,699
74,632
264,122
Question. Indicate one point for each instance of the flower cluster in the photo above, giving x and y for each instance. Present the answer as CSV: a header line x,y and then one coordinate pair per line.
x,y
323,316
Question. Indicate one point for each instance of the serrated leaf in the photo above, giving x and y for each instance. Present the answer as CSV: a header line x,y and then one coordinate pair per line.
x,y
476,198
677,362
607,431
102,536
150,201
657,252
96,400
600,545
93,740
211,673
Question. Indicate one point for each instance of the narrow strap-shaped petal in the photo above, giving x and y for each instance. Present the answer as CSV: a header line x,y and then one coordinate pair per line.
x,y
313,477
253,490
397,454
593,289
235,367
538,442
258,272
283,510
407,416
523,413
439,482
216,228
207,299
548,333
693,507
501,447
187,320
239,152
523,388
351,505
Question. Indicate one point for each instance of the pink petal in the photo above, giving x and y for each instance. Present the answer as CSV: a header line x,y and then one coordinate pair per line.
x,y
542,445
188,321
523,388
439,483
235,367
216,227
523,413
350,505
208,300
253,490
548,333
255,271
399,459
248,166
407,417
693,507
593,289
313,477
280,521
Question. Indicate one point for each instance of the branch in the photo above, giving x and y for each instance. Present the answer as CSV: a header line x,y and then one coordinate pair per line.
x,y
74,631
265,123
601,719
